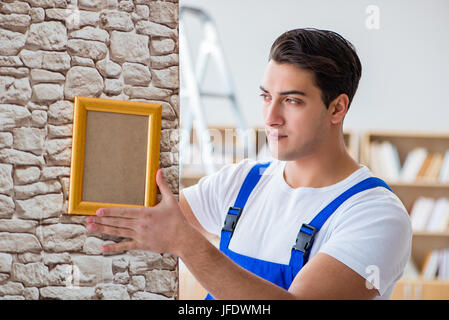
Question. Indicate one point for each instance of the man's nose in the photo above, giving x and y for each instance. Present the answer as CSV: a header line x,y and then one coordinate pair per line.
x,y
273,114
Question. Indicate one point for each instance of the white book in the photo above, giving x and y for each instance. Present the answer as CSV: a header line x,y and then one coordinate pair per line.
x,y
420,213
431,265
375,165
412,164
443,266
390,162
439,216
444,171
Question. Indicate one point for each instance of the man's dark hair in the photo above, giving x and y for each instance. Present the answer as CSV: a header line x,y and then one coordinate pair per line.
x,y
327,54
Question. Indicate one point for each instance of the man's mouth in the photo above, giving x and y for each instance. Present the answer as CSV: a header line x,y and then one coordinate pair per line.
x,y
275,136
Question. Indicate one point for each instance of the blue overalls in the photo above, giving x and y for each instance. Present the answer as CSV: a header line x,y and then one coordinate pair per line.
x,y
277,273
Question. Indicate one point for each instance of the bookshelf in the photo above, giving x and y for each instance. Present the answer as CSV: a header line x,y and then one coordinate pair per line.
x,y
409,189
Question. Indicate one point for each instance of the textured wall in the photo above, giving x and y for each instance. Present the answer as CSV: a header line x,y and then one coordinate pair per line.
x,y
50,52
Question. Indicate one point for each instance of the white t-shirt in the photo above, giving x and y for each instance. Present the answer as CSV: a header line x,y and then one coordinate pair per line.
x,y
370,232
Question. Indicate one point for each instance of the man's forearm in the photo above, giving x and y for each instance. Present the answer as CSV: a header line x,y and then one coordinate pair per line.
x,y
219,275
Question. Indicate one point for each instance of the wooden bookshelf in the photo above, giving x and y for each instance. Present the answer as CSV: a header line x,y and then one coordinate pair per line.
x,y
422,242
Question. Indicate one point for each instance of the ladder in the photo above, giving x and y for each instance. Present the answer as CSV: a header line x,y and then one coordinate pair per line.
x,y
192,77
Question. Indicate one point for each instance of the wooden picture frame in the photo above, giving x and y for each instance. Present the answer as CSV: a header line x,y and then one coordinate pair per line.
x,y
115,154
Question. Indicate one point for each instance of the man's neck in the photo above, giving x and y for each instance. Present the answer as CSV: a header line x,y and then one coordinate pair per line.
x,y
323,168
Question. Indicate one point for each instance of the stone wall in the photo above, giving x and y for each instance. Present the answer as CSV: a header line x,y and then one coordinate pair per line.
x,y
50,52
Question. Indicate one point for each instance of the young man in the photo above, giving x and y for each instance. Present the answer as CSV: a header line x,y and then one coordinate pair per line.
x,y
309,224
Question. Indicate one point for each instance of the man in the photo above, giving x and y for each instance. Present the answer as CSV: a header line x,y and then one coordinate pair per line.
x,y
310,224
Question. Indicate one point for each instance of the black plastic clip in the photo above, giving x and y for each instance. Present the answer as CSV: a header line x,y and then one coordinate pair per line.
x,y
232,218
304,239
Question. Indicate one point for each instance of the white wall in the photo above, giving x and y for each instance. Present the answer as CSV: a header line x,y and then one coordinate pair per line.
x,y
405,77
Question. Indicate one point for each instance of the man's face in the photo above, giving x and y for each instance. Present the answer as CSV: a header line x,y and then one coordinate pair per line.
x,y
294,114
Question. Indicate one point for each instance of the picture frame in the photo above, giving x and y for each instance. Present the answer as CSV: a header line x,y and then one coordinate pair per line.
x,y
115,154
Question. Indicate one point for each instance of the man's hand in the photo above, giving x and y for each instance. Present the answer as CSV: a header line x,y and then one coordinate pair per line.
x,y
158,229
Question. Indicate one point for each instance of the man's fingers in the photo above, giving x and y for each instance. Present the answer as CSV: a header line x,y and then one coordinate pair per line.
x,y
120,247
113,222
113,231
122,212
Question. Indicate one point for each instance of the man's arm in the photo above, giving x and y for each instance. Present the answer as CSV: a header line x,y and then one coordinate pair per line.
x,y
323,277
190,216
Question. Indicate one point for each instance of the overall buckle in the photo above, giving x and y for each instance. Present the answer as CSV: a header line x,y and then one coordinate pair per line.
x,y
304,239
232,218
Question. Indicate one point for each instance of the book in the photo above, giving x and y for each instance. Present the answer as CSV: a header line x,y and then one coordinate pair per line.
x,y
374,160
384,160
433,171
391,165
420,213
443,265
444,171
439,217
430,266
424,167
412,164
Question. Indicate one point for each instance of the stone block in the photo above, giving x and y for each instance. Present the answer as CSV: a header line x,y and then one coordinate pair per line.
x,y
7,206
41,75
109,69
116,20
60,112
164,13
94,50
26,175
5,262
129,47
17,157
166,78
155,29
38,188
67,293
11,42
92,270
83,81
30,274
6,182
18,225
16,91
162,282
160,47
29,139
136,74
61,237
48,35
41,206
12,116
19,242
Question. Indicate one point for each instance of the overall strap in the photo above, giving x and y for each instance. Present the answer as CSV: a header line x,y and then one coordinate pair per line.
x,y
306,234
235,211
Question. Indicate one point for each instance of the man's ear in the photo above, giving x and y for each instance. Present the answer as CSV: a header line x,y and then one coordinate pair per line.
x,y
338,108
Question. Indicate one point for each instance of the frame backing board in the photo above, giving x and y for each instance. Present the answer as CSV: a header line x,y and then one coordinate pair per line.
x,y
115,154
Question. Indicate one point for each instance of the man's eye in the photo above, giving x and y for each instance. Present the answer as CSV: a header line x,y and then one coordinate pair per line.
x,y
293,101
264,96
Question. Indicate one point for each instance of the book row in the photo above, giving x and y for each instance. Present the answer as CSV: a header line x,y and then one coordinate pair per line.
x,y
429,214
419,164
